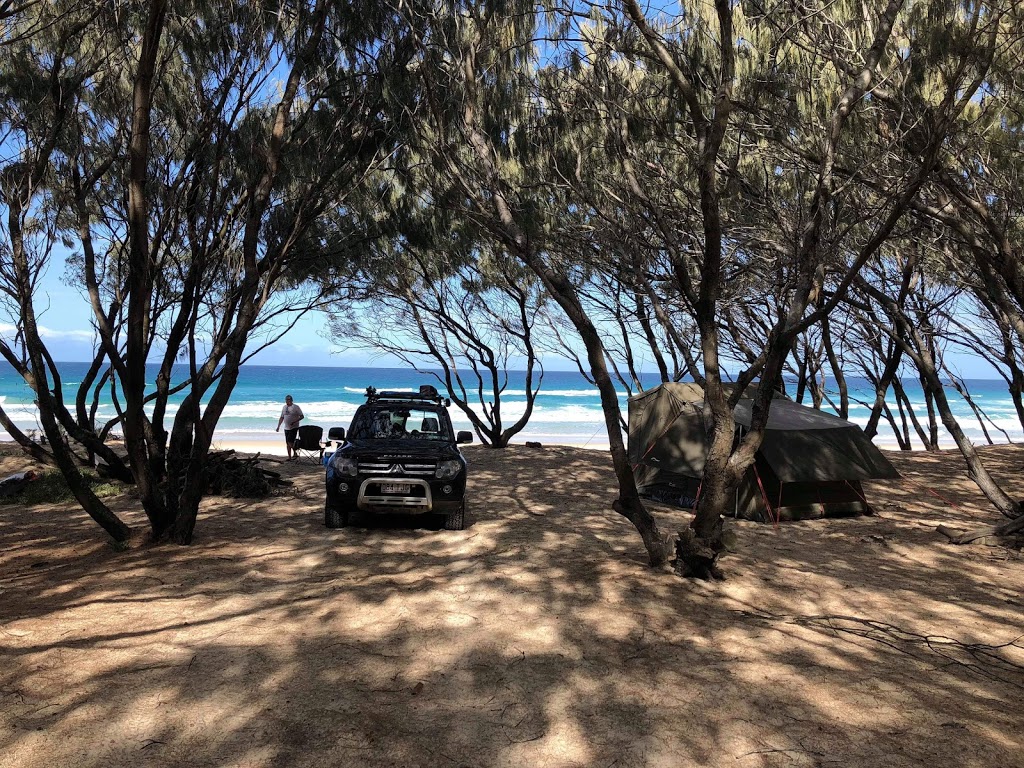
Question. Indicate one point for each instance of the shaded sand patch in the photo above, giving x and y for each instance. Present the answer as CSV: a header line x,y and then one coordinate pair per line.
x,y
536,637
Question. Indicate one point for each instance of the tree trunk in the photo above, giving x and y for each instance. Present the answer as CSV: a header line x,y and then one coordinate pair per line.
x,y
28,445
61,452
837,369
801,374
38,370
643,316
965,393
908,336
140,275
975,466
901,430
885,381
1017,394
907,411
91,503
629,503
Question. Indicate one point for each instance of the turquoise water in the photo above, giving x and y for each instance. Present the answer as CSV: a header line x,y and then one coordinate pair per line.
x,y
568,410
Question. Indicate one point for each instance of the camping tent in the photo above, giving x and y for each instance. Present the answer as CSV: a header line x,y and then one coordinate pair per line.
x,y
811,464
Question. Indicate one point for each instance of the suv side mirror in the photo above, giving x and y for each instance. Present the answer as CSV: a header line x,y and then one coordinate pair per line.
x,y
465,436
336,433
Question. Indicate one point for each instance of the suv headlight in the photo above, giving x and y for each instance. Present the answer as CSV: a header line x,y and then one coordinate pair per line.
x,y
447,470
345,466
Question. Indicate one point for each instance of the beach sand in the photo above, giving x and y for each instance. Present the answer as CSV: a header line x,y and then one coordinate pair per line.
x,y
277,447
536,637
262,447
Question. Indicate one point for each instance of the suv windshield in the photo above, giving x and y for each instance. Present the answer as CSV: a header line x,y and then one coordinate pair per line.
x,y
396,421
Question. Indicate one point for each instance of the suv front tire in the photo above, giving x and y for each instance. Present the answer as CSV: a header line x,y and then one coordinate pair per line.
x,y
334,517
456,521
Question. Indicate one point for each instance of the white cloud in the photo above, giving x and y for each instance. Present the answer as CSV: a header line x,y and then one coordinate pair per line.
x,y
49,334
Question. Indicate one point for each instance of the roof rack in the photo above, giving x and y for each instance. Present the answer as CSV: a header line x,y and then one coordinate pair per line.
x,y
426,392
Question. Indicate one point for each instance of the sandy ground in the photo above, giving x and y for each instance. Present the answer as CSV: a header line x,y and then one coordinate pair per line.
x,y
536,637
276,448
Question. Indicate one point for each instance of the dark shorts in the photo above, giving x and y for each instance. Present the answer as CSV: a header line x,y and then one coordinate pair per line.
x,y
290,435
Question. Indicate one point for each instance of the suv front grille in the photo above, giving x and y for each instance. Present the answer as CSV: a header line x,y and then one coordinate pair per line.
x,y
422,468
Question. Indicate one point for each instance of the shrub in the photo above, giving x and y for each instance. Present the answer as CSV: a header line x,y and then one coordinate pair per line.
x,y
51,488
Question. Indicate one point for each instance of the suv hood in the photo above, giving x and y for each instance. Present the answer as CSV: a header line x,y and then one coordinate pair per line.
x,y
398,448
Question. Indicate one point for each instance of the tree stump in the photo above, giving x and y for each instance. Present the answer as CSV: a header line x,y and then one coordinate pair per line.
x,y
697,558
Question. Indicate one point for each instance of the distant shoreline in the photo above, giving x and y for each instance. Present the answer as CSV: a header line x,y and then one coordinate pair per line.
x,y
269,447
567,411
277,447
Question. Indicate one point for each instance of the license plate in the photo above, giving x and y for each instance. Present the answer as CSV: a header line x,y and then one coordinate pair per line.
x,y
395,487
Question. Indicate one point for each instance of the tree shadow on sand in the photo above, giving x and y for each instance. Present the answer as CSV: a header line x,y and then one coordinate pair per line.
x,y
538,636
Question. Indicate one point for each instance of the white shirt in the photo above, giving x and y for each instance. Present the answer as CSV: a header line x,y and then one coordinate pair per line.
x,y
292,415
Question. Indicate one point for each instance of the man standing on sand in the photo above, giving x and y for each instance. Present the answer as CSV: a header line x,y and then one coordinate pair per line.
x,y
291,415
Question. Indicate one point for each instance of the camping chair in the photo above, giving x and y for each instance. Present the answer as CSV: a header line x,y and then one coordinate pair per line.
x,y
308,444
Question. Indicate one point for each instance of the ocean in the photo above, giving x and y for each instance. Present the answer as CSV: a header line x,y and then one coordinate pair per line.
x,y
567,412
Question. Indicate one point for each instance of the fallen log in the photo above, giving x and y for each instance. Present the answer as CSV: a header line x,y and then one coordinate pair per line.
x,y
1009,534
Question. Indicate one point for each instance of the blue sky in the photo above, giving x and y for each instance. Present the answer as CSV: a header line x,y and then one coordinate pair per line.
x,y
65,321
65,324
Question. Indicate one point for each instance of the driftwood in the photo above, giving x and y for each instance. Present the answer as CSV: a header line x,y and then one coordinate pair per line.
x,y
230,475
1007,535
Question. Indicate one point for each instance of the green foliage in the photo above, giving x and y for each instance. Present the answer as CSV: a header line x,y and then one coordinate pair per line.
x,y
51,488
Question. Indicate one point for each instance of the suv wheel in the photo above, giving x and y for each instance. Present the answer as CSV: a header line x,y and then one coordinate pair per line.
x,y
456,521
334,517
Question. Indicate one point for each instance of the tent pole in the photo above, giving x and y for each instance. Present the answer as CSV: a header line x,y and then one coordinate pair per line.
x,y
764,496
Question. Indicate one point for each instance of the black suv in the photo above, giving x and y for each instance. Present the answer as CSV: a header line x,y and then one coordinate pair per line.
x,y
399,455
